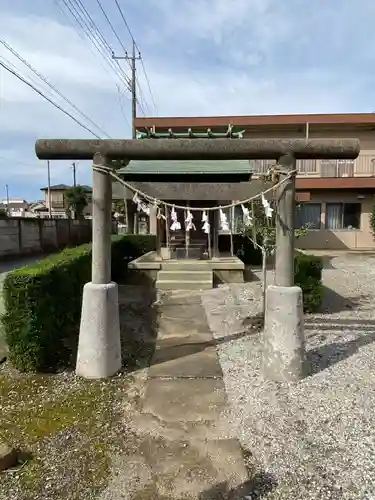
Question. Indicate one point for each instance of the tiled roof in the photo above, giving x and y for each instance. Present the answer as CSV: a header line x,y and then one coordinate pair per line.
x,y
63,187
187,167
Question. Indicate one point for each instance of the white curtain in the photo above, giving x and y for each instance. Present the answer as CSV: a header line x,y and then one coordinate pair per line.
x,y
334,216
309,214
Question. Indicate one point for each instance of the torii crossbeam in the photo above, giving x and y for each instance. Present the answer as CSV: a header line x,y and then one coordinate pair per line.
x,y
99,350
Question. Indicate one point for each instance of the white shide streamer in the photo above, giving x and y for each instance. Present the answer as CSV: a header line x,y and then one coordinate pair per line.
x,y
247,219
267,207
175,226
224,226
206,224
189,224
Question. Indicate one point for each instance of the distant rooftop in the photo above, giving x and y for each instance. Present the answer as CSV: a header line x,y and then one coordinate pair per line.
x,y
13,200
64,187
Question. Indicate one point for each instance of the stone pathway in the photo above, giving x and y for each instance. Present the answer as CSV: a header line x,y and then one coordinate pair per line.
x,y
186,450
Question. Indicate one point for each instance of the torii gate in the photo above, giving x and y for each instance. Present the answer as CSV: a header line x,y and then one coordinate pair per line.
x,y
99,349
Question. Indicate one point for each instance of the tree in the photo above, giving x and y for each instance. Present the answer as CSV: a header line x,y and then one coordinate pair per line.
x,y
3,212
76,198
263,229
372,220
120,211
262,234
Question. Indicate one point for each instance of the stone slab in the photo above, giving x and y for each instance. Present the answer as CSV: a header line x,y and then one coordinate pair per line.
x,y
185,358
169,327
186,400
193,311
183,469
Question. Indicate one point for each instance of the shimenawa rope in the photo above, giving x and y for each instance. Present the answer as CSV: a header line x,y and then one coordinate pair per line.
x,y
155,201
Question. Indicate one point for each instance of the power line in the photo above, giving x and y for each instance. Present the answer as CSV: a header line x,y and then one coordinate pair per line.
x,y
26,63
142,103
139,52
4,158
93,24
101,45
149,86
101,36
19,77
31,79
93,38
110,24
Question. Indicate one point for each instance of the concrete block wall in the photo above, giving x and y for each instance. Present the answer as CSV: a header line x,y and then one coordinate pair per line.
x,y
25,236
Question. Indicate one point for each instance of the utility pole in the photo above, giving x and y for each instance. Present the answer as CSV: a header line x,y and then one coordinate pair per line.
x,y
49,190
7,192
74,174
133,83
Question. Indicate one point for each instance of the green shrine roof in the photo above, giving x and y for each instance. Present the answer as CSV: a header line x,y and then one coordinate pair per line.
x,y
186,167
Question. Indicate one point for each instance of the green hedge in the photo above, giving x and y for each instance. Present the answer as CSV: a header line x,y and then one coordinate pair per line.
x,y
308,275
43,302
307,271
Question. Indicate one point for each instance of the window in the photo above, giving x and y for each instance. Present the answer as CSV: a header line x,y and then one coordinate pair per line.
x,y
343,215
309,214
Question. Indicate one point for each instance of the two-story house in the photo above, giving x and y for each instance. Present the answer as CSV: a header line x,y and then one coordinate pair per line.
x,y
59,205
336,197
15,207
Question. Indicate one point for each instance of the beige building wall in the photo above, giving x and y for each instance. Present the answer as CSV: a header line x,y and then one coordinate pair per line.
x,y
351,239
366,138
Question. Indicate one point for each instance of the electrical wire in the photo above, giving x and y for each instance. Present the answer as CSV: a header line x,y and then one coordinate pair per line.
x,y
22,79
110,24
141,59
4,158
51,86
102,37
142,101
104,47
97,40
92,37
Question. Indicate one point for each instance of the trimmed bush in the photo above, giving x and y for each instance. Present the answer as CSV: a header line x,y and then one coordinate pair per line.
x,y
43,302
307,271
308,275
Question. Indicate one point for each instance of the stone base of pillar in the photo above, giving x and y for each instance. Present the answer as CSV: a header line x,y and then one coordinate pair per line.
x,y
283,343
99,347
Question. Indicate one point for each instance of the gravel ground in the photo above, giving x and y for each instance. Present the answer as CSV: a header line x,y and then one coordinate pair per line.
x,y
73,431
314,439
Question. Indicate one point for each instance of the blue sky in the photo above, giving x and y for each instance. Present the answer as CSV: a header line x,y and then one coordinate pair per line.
x,y
203,57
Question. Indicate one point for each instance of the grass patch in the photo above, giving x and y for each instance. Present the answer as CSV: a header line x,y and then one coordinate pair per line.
x,y
74,427
68,425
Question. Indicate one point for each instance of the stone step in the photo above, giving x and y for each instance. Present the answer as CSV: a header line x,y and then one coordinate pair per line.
x,y
183,285
184,275
186,265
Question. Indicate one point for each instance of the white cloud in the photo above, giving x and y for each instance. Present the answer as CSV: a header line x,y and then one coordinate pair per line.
x,y
204,57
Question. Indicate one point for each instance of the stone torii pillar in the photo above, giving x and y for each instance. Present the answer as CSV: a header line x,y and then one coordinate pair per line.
x,y
99,349
283,339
